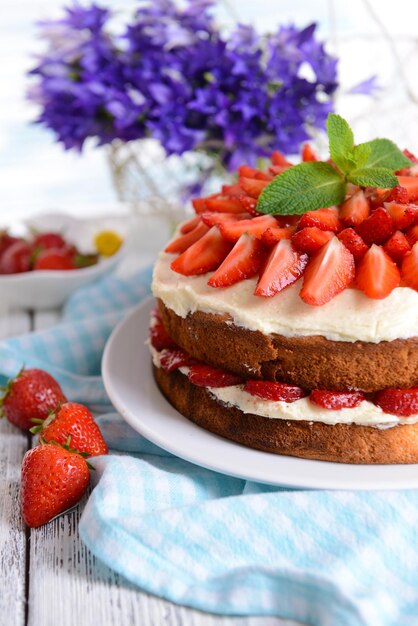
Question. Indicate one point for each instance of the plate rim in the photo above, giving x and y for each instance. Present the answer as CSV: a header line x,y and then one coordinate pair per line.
x,y
310,482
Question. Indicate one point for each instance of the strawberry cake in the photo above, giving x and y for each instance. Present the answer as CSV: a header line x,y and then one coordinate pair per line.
x,y
295,333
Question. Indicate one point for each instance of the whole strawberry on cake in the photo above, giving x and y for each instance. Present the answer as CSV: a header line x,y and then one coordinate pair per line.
x,y
287,315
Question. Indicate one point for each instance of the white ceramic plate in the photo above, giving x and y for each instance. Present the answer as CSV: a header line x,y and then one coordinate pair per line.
x,y
128,379
49,289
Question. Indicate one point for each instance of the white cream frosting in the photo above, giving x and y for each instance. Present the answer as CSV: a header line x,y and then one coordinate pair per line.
x,y
350,316
365,414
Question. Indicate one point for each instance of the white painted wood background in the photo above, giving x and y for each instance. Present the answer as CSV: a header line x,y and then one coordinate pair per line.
x,y
47,576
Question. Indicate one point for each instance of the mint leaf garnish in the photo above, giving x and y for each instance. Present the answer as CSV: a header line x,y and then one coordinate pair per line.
x,y
384,153
341,142
301,188
373,177
310,186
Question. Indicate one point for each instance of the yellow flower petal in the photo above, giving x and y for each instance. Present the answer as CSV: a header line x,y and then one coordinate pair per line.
x,y
108,242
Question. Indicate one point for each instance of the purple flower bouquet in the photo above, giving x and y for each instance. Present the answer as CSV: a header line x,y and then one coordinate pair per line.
x,y
173,76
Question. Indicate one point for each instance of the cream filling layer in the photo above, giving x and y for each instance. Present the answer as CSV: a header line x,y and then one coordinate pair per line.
x,y
350,316
365,414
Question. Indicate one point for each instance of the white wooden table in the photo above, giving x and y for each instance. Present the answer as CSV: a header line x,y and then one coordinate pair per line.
x,y
47,576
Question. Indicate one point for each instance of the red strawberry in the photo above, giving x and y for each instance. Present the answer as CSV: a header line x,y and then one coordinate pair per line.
x,y
328,273
190,224
6,241
377,228
410,155
199,205
224,205
278,158
377,275
53,480
277,392
325,219
353,242
54,259
49,240
232,191
75,421
275,170
336,400
409,271
311,239
377,196
183,242
308,153
159,337
403,215
272,235
16,258
203,256
411,185
245,171
206,376
32,394
214,219
355,209
402,402
252,186
244,261
249,204
172,359
412,234
256,226
397,246
283,267
398,194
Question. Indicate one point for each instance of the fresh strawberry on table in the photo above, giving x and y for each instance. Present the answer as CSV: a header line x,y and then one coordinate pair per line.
x,y
72,420
53,479
32,394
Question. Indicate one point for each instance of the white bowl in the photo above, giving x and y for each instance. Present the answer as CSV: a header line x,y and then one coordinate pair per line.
x,y
47,289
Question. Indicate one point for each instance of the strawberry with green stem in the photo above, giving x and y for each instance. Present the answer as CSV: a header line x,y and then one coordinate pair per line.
x,y
32,394
53,479
72,420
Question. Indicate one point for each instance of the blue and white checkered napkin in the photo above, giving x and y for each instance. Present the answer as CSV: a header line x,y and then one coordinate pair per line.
x,y
218,543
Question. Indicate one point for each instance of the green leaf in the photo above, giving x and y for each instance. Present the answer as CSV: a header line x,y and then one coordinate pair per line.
x,y
373,177
384,153
341,142
361,155
301,188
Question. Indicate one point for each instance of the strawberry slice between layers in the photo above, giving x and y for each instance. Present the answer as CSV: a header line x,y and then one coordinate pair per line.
x,y
336,400
174,358
276,392
377,275
203,256
328,273
203,375
283,267
409,271
355,209
183,242
402,402
244,261
256,226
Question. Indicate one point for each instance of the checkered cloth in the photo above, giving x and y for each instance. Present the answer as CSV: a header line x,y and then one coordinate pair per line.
x,y
214,542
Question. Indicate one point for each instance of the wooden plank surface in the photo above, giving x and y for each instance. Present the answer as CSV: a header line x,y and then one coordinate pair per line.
x,y
48,577
13,445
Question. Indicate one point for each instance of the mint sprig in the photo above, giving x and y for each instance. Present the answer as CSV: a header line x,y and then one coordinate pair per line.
x,y
310,186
